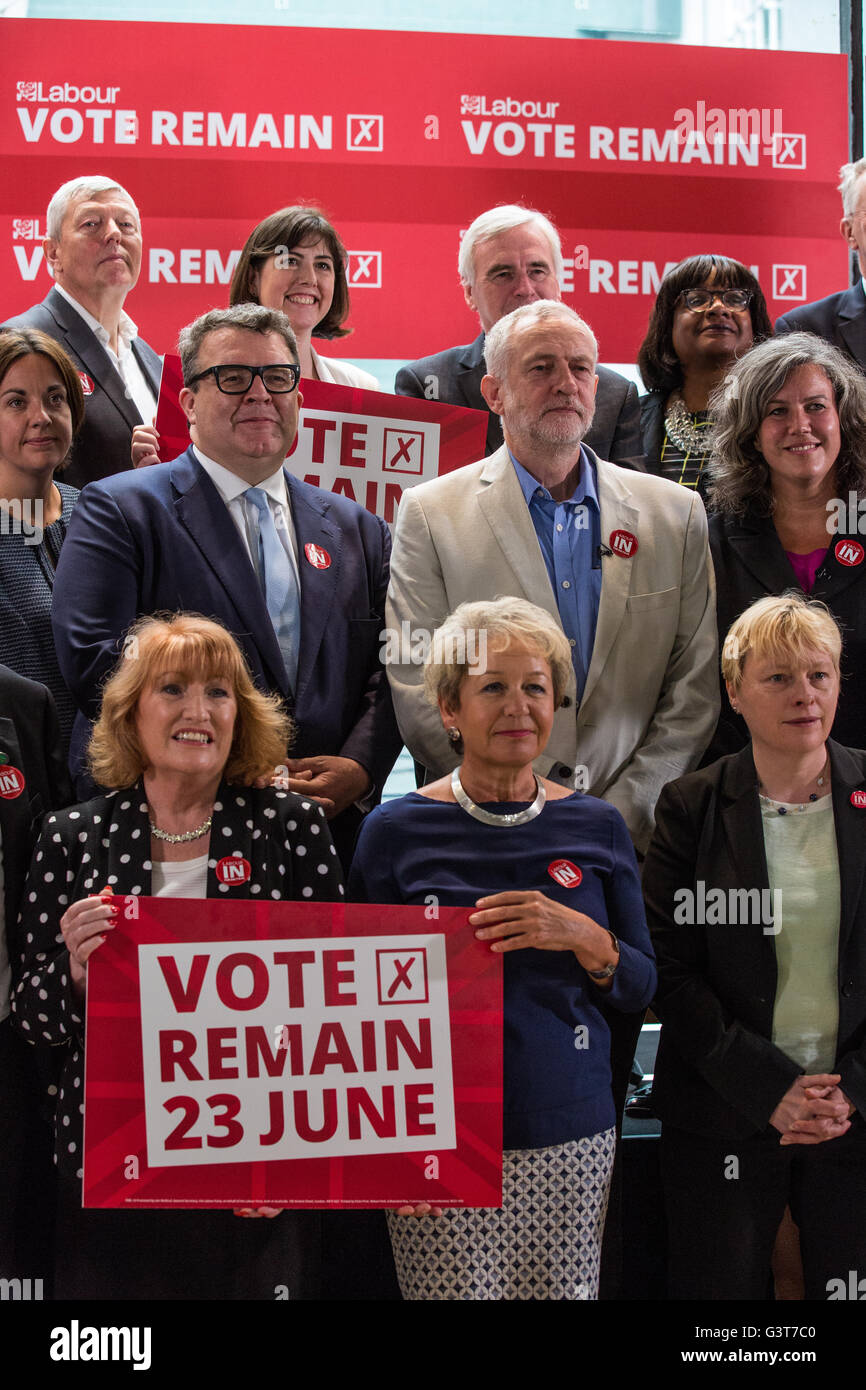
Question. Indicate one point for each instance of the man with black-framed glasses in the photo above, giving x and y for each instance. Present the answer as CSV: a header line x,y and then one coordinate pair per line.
x,y
297,574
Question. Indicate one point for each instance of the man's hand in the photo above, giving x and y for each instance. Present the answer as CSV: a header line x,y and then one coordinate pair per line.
x,y
334,782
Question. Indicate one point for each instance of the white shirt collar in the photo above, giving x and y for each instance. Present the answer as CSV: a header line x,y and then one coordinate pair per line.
x,y
127,331
230,486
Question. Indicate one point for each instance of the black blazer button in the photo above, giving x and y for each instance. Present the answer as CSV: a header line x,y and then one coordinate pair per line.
x,y
566,702
564,771
848,988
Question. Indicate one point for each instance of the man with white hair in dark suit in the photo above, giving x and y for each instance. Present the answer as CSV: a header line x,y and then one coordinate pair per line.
x,y
93,251
511,256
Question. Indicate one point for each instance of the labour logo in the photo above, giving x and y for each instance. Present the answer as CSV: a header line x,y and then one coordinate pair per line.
x,y
86,383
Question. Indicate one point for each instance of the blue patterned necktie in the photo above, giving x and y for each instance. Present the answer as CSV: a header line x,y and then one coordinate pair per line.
x,y
278,579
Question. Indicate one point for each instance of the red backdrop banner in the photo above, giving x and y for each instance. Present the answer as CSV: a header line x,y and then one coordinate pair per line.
x,y
292,1055
641,153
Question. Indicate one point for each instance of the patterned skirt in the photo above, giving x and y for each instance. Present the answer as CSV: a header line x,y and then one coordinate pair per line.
x,y
544,1242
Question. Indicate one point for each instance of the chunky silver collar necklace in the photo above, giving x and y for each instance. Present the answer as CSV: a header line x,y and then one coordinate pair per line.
x,y
490,817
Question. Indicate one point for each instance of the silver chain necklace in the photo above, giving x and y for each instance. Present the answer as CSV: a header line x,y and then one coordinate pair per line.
x,y
183,838
489,817
681,427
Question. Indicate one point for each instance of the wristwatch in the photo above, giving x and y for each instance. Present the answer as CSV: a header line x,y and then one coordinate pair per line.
x,y
608,970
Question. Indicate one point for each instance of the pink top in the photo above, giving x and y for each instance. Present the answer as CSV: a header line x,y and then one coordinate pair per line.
x,y
805,567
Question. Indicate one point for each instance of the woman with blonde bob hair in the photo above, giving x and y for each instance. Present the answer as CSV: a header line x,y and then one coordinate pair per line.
x,y
787,474
549,880
182,736
754,892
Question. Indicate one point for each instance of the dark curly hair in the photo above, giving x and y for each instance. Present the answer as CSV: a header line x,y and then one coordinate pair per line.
x,y
659,365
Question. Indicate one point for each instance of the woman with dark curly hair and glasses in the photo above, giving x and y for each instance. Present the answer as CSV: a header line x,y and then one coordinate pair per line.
x,y
786,477
709,311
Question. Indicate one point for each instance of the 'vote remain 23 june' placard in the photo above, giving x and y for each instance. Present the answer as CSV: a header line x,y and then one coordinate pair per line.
x,y
288,1054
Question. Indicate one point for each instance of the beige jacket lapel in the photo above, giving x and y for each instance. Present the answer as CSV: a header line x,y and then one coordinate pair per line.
x,y
618,513
504,508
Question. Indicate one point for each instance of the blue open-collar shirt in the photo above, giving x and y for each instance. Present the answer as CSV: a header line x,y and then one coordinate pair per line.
x,y
569,534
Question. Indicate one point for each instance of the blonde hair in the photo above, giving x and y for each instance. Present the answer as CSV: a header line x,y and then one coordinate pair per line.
x,y
198,649
503,622
789,627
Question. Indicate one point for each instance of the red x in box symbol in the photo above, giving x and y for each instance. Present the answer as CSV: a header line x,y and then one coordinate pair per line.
x,y
403,451
789,282
789,151
364,270
402,975
364,132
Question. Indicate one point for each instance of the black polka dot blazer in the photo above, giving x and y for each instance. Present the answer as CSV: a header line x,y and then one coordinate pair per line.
x,y
106,843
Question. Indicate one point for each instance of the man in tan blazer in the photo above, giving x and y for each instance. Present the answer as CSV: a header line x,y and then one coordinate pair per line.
x,y
619,557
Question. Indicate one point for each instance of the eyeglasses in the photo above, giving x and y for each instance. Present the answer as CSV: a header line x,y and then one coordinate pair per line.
x,y
234,378
731,299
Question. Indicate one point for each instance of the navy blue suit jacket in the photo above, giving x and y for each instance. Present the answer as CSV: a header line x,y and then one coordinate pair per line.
x,y
103,445
162,538
840,318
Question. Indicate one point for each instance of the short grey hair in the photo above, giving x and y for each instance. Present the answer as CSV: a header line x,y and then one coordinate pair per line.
x,y
87,186
455,649
502,219
739,475
497,343
254,318
849,177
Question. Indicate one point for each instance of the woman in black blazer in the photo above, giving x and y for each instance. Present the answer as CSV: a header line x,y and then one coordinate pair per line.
x,y
787,474
754,885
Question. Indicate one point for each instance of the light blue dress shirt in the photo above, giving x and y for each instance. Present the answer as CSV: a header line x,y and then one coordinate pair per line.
x,y
569,534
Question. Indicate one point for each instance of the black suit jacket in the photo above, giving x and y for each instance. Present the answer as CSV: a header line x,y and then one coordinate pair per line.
x,y
30,740
455,376
840,318
717,1072
749,564
103,445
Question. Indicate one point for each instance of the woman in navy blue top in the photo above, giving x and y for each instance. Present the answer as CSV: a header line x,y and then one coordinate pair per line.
x,y
552,878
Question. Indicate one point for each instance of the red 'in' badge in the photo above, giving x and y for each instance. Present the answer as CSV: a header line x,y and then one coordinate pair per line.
x,y
623,543
566,874
318,558
858,799
233,870
86,383
849,552
12,782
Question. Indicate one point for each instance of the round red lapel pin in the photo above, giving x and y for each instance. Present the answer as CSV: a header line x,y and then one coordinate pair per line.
x,y
849,552
317,556
858,799
623,543
86,383
233,870
566,874
12,782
